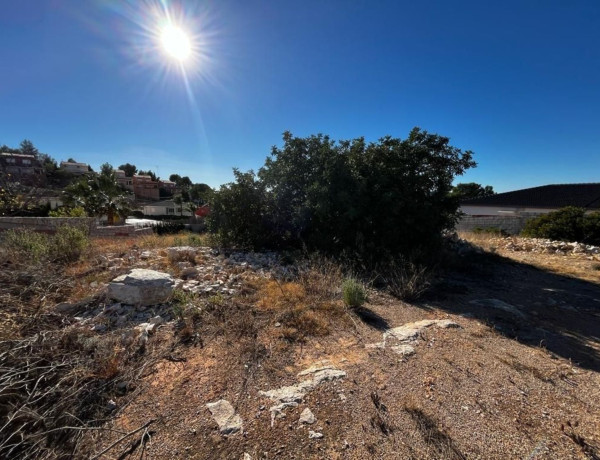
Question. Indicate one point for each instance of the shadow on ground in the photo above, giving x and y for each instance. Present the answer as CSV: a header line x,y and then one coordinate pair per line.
x,y
525,303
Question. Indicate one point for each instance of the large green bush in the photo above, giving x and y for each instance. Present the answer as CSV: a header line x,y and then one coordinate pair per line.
x,y
566,224
365,199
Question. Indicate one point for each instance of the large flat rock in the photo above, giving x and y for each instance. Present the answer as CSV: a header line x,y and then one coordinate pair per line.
x,y
141,287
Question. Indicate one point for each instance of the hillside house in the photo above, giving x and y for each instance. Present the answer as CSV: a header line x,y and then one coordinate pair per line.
x,y
123,180
536,200
20,167
167,208
73,167
145,188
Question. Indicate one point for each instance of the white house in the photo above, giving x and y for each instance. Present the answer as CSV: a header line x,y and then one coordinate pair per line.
x,y
167,208
536,200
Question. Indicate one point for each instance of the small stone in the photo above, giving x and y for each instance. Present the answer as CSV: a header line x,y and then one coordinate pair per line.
x,y
224,414
314,434
111,405
307,417
404,350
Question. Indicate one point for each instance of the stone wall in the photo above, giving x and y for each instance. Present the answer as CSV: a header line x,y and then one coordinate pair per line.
x,y
45,224
510,224
121,230
49,225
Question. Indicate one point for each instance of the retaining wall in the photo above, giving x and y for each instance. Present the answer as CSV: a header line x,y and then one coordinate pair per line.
x,y
50,224
510,224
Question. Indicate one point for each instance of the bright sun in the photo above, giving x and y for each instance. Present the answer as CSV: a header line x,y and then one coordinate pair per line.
x,y
176,42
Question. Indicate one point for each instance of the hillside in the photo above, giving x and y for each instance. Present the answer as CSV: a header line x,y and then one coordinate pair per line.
x,y
500,359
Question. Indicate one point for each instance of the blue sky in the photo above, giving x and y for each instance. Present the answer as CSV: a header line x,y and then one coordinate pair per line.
x,y
517,82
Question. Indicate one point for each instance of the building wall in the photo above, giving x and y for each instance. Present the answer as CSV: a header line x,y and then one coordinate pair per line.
x,y
510,224
145,188
74,168
165,210
473,210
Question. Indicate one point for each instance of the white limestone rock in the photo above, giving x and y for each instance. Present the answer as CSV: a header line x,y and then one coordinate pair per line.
x,y
224,414
141,287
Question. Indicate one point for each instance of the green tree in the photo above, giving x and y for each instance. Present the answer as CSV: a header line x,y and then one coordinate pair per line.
x,y
27,148
99,195
239,212
175,178
200,193
129,169
471,190
148,173
372,200
107,170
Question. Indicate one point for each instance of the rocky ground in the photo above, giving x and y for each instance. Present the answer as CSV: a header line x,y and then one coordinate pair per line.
x,y
253,358
501,360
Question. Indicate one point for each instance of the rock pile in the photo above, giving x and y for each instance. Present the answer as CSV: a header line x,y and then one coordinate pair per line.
x,y
544,246
144,292
291,396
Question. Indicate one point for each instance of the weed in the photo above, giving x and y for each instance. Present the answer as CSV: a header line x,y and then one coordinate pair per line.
x,y
68,243
406,280
353,293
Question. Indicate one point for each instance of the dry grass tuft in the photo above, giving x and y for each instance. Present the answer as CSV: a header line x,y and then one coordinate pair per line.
x,y
308,306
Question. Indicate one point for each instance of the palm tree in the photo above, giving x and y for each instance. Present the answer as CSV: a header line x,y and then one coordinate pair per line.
x,y
99,195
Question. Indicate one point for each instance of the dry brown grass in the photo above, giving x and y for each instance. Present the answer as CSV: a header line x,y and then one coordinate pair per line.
x,y
580,266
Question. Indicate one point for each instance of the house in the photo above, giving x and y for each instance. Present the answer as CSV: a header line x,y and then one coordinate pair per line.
x,y
123,180
145,188
22,168
169,186
74,168
536,200
167,208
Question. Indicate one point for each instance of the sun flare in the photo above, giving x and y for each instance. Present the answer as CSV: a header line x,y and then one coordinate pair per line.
x,y
176,42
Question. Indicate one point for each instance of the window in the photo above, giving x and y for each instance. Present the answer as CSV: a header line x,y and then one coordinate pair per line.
x,y
11,161
170,210
26,162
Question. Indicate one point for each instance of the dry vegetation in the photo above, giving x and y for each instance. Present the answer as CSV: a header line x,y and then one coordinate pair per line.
x,y
499,387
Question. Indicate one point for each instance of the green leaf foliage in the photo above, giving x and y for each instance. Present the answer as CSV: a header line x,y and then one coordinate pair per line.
x,y
367,199
566,224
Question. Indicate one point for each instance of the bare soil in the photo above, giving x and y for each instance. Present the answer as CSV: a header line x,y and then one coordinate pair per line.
x,y
503,385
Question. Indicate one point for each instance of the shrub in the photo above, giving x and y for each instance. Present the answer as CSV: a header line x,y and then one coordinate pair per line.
x,y
32,244
353,293
406,280
167,228
68,243
77,211
240,214
566,224
391,196
495,231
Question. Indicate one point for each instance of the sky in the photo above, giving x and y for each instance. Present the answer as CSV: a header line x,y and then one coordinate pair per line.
x,y
516,82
